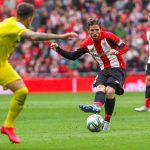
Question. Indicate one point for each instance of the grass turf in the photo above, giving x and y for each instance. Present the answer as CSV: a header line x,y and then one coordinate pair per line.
x,y
54,122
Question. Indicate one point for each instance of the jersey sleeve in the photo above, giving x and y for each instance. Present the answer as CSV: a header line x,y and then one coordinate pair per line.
x,y
82,44
113,37
117,42
20,29
71,55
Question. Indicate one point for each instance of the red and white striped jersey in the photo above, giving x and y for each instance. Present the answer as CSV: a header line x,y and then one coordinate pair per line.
x,y
100,50
148,39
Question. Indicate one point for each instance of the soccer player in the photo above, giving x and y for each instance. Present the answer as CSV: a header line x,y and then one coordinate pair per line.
x,y
106,48
146,107
11,31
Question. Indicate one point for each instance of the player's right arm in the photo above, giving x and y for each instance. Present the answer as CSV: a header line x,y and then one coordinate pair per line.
x,y
69,55
38,36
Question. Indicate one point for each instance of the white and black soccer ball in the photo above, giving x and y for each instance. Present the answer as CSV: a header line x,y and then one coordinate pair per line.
x,y
95,123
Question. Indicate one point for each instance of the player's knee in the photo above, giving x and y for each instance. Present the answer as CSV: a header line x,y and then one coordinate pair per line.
x,y
101,88
110,92
20,95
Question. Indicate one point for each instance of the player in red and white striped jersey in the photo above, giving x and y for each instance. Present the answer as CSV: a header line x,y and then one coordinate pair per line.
x,y
146,107
107,49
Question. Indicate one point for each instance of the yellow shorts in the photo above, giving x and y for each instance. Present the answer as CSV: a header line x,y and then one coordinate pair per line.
x,y
7,74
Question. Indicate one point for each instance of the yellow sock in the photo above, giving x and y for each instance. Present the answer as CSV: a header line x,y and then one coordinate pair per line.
x,y
16,105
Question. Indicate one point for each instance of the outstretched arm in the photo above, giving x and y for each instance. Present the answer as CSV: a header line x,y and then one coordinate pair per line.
x,y
69,55
38,36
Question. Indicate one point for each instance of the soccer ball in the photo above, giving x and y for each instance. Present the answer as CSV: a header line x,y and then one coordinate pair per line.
x,y
95,123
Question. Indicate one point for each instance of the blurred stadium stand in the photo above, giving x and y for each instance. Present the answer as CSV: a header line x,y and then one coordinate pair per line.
x,y
127,19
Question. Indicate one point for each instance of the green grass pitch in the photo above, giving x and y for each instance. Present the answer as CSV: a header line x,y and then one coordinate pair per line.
x,y
54,122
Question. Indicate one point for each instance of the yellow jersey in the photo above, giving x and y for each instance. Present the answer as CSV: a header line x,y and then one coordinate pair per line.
x,y
10,34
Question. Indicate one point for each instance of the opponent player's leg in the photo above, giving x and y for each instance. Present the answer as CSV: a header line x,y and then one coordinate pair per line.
x,y
146,107
16,105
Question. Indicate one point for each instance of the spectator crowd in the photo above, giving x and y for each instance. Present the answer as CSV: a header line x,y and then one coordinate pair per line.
x,y
126,18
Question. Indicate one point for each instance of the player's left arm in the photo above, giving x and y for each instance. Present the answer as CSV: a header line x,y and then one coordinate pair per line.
x,y
122,47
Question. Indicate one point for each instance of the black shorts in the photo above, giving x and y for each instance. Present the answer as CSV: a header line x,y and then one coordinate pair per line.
x,y
147,69
113,77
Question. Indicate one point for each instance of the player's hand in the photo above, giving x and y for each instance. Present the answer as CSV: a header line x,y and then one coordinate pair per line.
x,y
69,35
53,46
113,52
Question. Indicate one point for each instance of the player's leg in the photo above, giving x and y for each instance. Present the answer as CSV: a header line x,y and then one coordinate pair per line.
x,y
17,101
98,102
16,105
109,106
147,93
10,79
99,96
146,107
114,86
